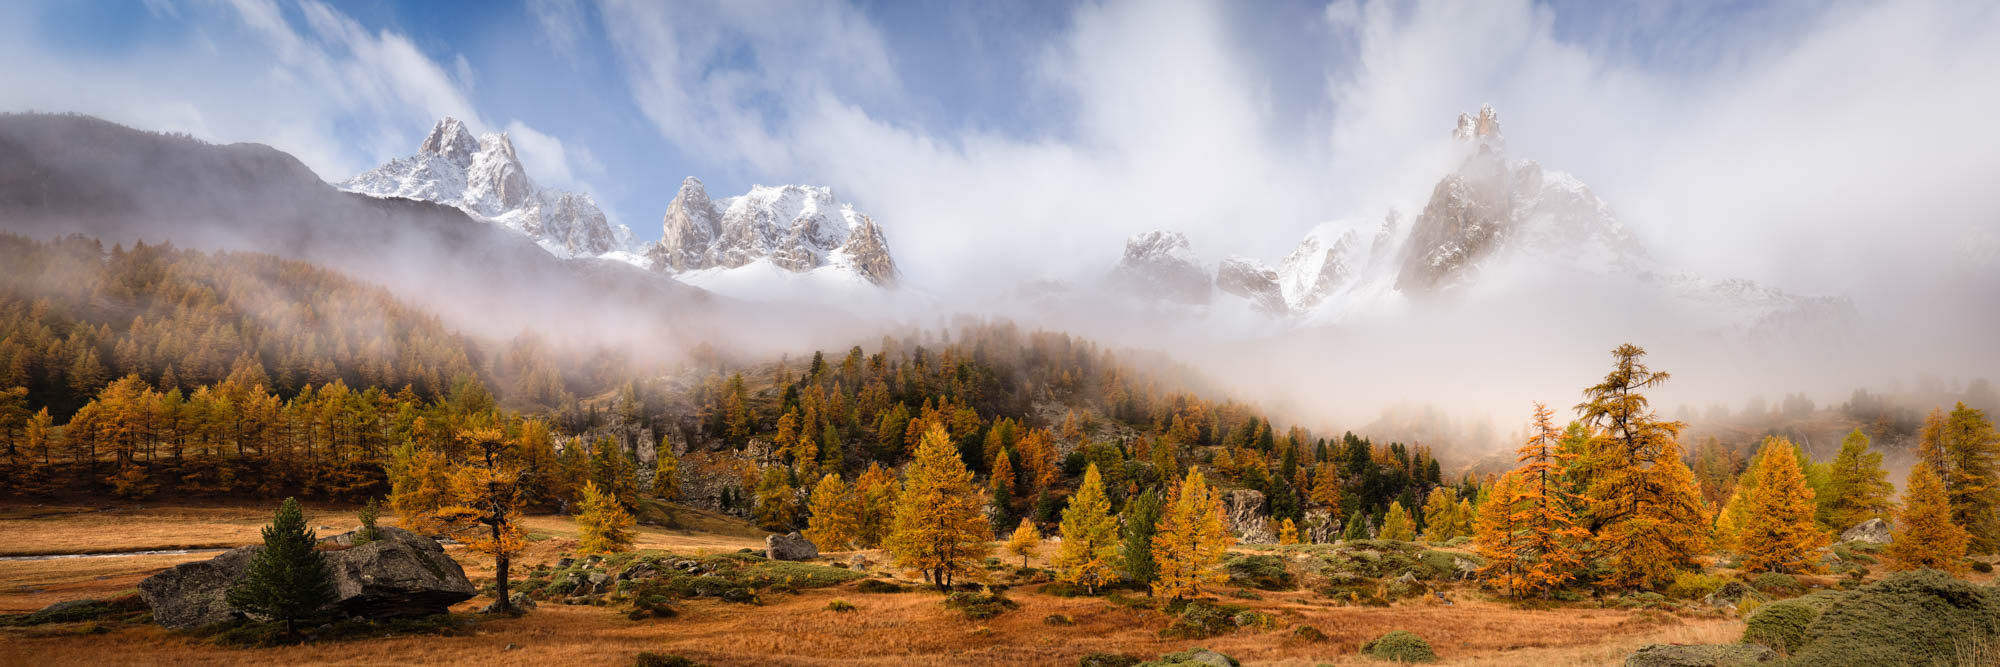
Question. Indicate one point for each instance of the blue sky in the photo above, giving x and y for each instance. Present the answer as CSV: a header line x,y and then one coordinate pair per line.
x,y
975,131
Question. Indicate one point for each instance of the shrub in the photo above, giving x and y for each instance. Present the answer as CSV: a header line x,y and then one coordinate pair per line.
x,y
650,659
1910,618
1058,619
124,608
839,606
1780,625
1194,657
1255,619
1307,634
979,605
1400,646
1781,585
1107,660
1982,567
1693,585
1259,571
878,586
1201,620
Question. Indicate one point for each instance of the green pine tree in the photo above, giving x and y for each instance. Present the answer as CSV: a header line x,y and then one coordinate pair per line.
x,y
368,533
287,581
1142,521
1357,527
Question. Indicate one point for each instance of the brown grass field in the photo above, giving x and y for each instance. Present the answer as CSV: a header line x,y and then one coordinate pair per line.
x,y
786,629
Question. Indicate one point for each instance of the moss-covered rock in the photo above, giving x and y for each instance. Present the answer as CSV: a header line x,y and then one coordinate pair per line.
x,y
1925,617
1780,625
1701,655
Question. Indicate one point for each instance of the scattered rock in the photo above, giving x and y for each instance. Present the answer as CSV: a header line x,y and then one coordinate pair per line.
x,y
860,562
593,560
1701,655
599,583
401,574
1465,568
565,563
639,570
790,547
1875,531
521,603
1195,656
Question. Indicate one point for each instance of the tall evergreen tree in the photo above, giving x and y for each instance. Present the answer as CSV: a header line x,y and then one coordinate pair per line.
x,y
287,581
1141,524
1860,487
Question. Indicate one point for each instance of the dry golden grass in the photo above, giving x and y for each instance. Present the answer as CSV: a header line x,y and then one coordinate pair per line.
x,y
38,529
796,629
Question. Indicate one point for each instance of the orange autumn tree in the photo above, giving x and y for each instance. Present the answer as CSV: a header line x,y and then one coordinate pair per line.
x,y
1191,540
1925,536
604,526
1550,553
940,525
1499,537
1778,533
1645,509
487,492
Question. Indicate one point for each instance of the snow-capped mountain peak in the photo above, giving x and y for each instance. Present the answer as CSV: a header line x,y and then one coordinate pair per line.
x,y
796,228
483,176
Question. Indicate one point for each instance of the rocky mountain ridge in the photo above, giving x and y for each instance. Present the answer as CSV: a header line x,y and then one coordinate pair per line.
x,y
791,227
483,176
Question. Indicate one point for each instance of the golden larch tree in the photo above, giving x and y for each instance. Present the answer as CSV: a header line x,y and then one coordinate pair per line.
x,y
777,505
1549,552
1925,535
1396,524
835,522
1025,542
1288,532
1191,541
940,525
1088,555
1441,519
1645,507
603,526
1498,537
875,493
1326,487
666,472
1778,533
1961,448
487,492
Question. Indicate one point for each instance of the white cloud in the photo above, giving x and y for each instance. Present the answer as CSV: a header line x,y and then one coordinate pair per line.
x,y
560,25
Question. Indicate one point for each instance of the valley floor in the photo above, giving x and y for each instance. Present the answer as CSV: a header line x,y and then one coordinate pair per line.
x,y
786,629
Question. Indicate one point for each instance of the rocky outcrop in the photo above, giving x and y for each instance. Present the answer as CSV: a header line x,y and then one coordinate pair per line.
x,y
1874,531
795,228
793,546
400,574
1321,527
1325,260
1248,521
1161,265
1255,282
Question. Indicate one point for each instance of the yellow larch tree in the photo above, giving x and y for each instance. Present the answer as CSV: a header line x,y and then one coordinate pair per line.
x,y
1288,532
777,505
1925,535
1859,485
666,472
1778,533
1088,555
603,526
1025,542
835,520
1325,492
1191,541
1497,536
1550,551
487,491
940,525
1963,450
875,494
1396,524
1441,518
1645,508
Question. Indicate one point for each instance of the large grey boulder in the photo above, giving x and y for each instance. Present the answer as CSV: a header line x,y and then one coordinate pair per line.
x,y
1321,527
401,574
1873,530
1701,655
1244,509
790,547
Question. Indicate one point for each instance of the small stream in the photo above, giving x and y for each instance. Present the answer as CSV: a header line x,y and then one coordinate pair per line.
x,y
113,554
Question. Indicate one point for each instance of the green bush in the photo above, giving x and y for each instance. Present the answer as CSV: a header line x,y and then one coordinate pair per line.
x,y
123,608
1201,620
1400,646
1058,619
1194,657
1308,634
878,586
662,660
1780,585
979,605
1107,660
839,606
1910,618
1693,585
1982,567
1260,571
1780,625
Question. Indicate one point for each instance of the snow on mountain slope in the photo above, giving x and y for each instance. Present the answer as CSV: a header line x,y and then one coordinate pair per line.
x,y
483,177
798,229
